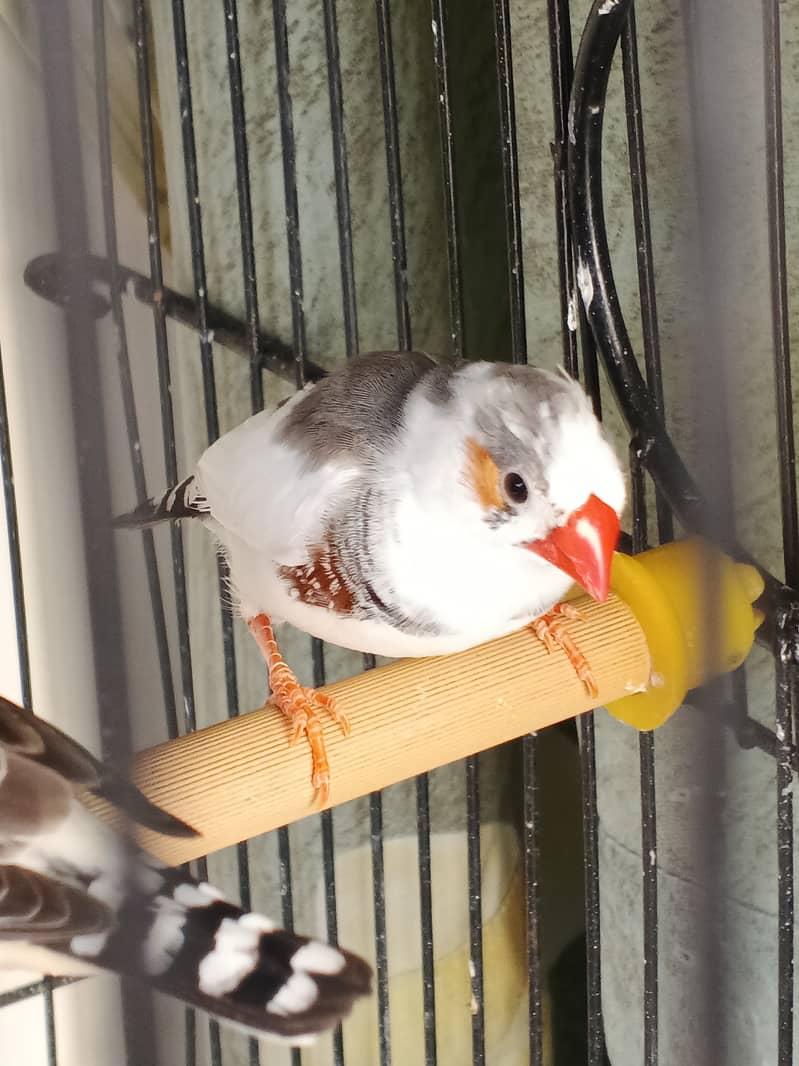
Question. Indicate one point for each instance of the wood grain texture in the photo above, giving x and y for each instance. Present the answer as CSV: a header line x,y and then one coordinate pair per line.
x,y
240,778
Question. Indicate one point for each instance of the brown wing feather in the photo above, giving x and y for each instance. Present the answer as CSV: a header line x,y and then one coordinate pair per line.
x,y
46,747
35,908
33,798
23,732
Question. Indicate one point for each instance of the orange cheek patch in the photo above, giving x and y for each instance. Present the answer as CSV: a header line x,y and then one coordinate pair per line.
x,y
482,474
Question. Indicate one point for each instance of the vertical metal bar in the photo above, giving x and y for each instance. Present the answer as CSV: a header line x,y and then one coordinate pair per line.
x,y
561,61
646,758
446,138
531,874
287,899
129,404
123,357
440,59
707,37
381,951
510,171
596,1038
513,229
475,909
643,238
786,665
194,211
194,208
652,361
239,122
426,919
289,156
400,263
23,652
14,553
167,411
399,252
350,315
290,185
646,750
328,857
94,483
331,911
86,392
775,186
162,354
340,170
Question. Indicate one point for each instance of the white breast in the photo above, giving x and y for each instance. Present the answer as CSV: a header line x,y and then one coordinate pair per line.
x,y
473,594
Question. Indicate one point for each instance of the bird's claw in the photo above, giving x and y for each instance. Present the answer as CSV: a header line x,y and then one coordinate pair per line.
x,y
302,706
551,631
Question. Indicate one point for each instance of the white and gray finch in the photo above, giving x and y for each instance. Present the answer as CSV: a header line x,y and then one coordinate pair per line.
x,y
405,506
75,897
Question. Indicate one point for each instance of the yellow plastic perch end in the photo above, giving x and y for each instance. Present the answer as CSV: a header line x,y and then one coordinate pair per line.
x,y
695,606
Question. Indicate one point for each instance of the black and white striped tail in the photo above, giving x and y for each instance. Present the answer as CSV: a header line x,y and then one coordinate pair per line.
x,y
72,889
189,942
181,501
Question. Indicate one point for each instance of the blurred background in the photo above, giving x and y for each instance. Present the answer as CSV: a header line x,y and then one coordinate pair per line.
x,y
202,204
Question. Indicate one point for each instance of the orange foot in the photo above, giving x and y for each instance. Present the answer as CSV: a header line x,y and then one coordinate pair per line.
x,y
302,706
550,629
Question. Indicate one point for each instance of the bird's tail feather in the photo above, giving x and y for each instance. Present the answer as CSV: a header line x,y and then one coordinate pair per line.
x,y
181,501
189,942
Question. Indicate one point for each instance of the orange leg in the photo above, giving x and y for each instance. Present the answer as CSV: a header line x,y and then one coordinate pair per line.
x,y
301,705
550,629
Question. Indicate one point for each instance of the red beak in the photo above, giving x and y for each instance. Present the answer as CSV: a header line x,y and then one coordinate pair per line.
x,y
583,548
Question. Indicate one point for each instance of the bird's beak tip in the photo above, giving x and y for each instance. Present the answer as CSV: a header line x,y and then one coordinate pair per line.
x,y
583,547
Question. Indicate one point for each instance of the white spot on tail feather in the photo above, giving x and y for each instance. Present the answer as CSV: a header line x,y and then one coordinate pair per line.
x,y
316,957
235,953
201,895
89,944
108,890
165,937
295,996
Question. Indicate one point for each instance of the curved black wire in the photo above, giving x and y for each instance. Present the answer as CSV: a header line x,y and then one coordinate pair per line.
x,y
600,297
641,406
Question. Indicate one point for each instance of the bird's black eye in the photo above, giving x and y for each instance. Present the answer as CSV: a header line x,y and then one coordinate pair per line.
x,y
515,488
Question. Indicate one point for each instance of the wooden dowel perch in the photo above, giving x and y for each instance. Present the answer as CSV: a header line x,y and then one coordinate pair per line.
x,y
240,778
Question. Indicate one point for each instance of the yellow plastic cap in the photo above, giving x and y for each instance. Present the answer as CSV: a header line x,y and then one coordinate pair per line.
x,y
674,592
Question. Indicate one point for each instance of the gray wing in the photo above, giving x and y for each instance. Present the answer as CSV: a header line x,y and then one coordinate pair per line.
x,y
358,409
40,744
